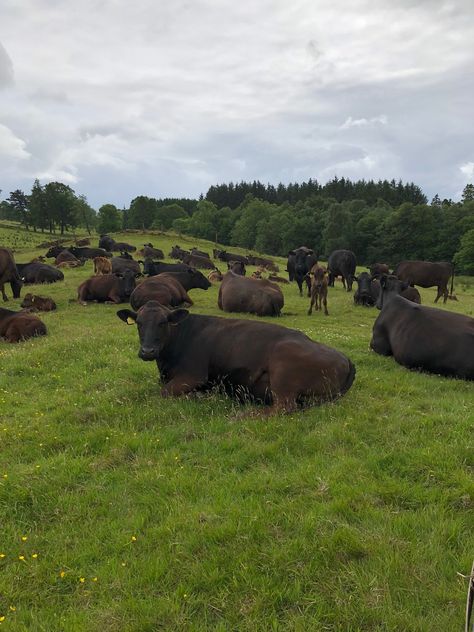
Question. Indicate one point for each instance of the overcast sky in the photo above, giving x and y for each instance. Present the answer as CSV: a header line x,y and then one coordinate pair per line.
x,y
164,98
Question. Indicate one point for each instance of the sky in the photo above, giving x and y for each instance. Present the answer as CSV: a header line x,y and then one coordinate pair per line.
x,y
159,98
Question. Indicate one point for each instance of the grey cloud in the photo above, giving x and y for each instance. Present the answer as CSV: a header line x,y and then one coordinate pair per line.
x,y
6,68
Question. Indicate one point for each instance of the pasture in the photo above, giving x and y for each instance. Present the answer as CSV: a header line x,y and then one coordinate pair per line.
x,y
121,511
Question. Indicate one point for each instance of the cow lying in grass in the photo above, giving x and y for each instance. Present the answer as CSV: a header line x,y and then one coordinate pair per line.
x,y
266,362
421,337
107,288
33,302
16,326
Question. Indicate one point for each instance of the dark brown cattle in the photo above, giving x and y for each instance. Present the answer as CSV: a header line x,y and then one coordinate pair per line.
x,y
120,246
427,274
149,251
120,264
420,337
410,293
63,256
377,269
39,303
319,290
198,262
16,326
237,267
254,296
223,255
111,288
268,264
9,274
199,253
162,288
279,366
178,253
342,263
367,290
102,265
190,279
89,253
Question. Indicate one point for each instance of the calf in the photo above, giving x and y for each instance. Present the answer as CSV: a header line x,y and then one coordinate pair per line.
x,y
421,337
319,289
102,265
110,288
279,366
39,303
16,326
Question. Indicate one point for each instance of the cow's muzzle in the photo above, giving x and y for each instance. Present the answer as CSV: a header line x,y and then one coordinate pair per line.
x,y
148,353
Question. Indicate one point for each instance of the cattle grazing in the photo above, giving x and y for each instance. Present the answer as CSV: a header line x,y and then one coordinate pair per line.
x,y
421,337
268,264
367,290
34,302
16,326
102,265
377,269
253,296
120,264
427,274
223,255
215,276
82,242
237,267
106,242
34,273
89,253
111,288
151,268
63,256
300,261
149,251
9,274
319,289
278,366
277,279
198,262
163,288
343,263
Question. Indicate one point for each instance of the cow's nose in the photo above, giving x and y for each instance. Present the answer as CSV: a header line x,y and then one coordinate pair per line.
x,y
147,353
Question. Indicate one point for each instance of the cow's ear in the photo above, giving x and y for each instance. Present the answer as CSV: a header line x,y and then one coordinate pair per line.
x,y
127,316
177,316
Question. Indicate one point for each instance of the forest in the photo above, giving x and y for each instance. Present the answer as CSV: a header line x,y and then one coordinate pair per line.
x,y
380,221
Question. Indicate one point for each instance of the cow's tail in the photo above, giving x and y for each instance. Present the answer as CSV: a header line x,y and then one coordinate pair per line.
x,y
452,280
349,380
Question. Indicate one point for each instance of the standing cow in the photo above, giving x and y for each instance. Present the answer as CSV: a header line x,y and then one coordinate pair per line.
x,y
343,263
319,290
300,261
427,274
9,274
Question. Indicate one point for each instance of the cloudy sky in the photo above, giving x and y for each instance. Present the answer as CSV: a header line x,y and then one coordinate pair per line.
x,y
165,98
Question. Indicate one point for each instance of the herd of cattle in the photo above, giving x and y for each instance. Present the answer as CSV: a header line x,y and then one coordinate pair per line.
x,y
274,364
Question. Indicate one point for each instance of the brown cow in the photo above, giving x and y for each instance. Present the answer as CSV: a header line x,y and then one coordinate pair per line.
x,y
254,296
149,250
102,266
427,274
280,366
319,289
377,269
16,326
34,302
63,256
162,288
83,242
197,261
9,274
109,288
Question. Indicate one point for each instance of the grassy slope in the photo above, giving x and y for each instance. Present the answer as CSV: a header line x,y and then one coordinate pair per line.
x,y
352,516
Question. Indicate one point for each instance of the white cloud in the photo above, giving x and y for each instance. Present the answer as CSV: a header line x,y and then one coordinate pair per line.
x,y
363,122
11,147
468,170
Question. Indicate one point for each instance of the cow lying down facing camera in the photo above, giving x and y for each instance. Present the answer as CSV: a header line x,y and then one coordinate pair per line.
x,y
266,362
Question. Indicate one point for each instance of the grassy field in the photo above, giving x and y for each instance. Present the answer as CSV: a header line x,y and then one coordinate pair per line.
x,y
120,511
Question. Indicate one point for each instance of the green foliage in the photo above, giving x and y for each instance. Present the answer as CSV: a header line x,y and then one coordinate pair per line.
x,y
166,215
464,258
109,220
351,516
142,212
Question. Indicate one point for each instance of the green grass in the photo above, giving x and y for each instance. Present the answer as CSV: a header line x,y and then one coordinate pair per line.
x,y
352,516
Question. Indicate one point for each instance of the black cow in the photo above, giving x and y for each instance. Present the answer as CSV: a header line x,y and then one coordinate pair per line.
x,y
89,253
123,246
421,337
342,262
367,290
106,243
110,288
199,253
32,273
273,364
149,251
427,274
191,279
299,264
120,264
151,268
223,255
9,274
178,253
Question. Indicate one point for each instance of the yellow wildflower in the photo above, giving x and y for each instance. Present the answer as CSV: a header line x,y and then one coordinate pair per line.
x,y
2,555
21,557
134,538
12,608
62,573
35,555
24,538
82,579
5,476
2,619
94,579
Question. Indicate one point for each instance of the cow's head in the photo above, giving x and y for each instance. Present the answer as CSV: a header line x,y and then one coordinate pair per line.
x,y
154,322
54,252
198,279
237,267
390,286
127,282
318,274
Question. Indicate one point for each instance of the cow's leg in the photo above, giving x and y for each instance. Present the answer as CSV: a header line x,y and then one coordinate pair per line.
x,y
445,293
308,283
440,294
5,297
325,303
299,281
182,384
380,342
310,310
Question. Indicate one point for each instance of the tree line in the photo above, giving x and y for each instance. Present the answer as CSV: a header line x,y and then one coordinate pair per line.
x,y
323,217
